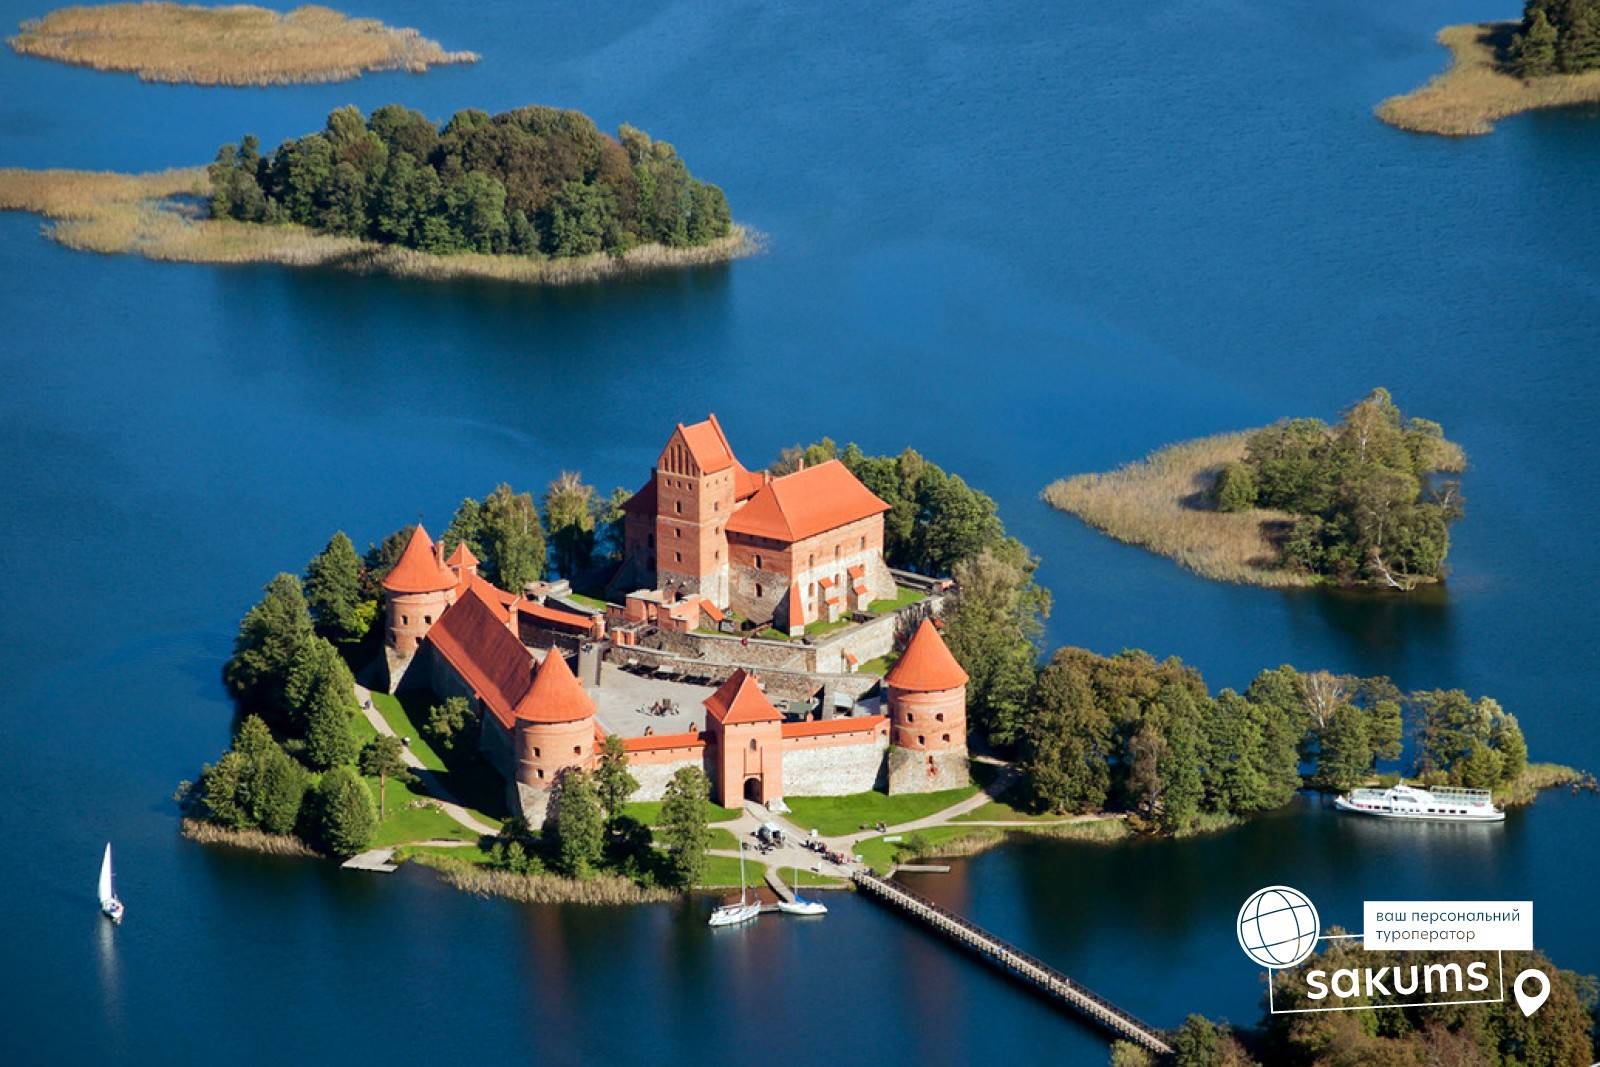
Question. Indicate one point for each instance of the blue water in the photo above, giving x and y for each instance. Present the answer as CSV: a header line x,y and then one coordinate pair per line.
x,y
1027,243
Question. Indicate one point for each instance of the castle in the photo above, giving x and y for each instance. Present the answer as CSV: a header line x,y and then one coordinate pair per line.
x,y
794,549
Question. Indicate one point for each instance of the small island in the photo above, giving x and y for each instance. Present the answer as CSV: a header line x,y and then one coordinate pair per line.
x,y
1299,503
1550,59
235,45
536,195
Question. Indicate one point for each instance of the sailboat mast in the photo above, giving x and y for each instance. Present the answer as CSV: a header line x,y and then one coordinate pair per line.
x,y
741,873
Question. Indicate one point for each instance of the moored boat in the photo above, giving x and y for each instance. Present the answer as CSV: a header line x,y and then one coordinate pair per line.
x,y
742,912
1401,801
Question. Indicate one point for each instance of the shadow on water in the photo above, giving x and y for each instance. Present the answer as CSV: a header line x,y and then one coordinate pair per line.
x,y
1386,632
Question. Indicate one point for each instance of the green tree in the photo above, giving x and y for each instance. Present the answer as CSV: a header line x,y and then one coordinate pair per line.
x,y
383,758
219,789
1506,738
609,524
1533,52
271,636
613,781
466,527
272,786
448,721
569,514
1344,750
321,695
1237,782
333,589
1235,488
1066,740
993,624
513,541
344,806
685,832
578,823
1182,766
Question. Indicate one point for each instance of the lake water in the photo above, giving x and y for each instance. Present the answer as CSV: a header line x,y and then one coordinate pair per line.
x,y
1027,245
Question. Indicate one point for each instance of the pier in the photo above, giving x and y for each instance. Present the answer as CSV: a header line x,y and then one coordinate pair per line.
x,y
1044,978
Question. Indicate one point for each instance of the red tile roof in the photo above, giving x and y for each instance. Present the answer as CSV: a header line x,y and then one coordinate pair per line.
x,y
746,483
708,445
655,742
546,614
492,594
555,695
472,637
926,666
712,611
462,556
740,700
418,570
807,502
823,727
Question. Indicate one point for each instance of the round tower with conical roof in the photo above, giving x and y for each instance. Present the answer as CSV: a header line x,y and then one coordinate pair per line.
x,y
416,592
555,731
927,716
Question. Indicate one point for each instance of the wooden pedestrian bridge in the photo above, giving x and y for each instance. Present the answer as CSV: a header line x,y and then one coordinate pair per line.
x,y
1044,978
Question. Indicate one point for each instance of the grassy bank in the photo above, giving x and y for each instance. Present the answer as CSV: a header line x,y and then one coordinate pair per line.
x,y
1476,90
831,816
1539,776
157,216
250,840
235,45
1161,503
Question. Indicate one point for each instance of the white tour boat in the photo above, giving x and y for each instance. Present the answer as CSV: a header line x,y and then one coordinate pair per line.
x,y
742,912
110,906
1403,801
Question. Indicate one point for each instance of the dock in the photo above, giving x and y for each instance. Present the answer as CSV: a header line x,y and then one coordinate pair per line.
x,y
1045,979
376,860
779,886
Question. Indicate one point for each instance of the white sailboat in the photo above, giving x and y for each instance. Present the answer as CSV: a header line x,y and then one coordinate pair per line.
x,y
110,906
799,905
742,912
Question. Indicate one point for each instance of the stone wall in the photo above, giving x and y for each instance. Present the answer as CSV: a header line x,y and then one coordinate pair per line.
x,y
927,772
653,777
852,766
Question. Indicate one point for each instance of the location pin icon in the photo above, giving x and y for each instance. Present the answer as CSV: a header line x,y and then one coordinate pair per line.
x,y
1531,1002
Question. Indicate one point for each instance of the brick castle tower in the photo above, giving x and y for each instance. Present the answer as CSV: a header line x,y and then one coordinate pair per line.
x,y
554,731
927,716
419,589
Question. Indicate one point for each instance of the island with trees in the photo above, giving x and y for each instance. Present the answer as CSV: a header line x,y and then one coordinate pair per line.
x,y
537,195
235,45
1366,502
1551,58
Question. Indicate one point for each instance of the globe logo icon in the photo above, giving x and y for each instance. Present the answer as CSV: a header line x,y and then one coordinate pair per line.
x,y
1278,926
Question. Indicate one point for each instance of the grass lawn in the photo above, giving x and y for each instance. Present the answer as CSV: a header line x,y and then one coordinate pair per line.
x,y
405,823
803,878
767,633
902,597
475,856
402,721
880,855
842,815
361,729
1000,811
648,812
597,603
879,666
723,872
723,839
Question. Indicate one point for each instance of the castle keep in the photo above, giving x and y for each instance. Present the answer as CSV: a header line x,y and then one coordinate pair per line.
x,y
705,532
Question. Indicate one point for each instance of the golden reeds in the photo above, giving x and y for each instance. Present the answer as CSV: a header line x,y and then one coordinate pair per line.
x,y
1162,503
156,216
237,45
1476,90
543,888
207,833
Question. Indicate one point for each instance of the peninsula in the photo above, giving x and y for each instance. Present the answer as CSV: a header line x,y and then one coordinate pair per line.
x,y
1295,504
234,45
1550,59
535,195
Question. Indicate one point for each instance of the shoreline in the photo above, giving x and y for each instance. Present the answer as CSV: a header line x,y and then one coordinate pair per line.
x,y
243,45
1472,93
1152,503
205,833
154,215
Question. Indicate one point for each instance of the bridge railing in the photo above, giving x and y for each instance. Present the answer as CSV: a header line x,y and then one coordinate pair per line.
x,y
979,934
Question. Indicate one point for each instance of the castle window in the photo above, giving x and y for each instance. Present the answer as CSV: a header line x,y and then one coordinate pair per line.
x,y
427,620
838,550
539,772
405,620
947,738
536,752
752,744
577,750
677,557
910,717
759,593
921,740
863,544
677,506
939,717
677,531
758,563
716,505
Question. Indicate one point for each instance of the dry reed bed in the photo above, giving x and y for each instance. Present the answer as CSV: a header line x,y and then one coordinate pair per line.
x,y
1475,91
207,833
543,888
239,45
146,214
1158,503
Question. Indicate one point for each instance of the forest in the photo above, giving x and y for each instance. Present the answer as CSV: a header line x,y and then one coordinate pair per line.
x,y
536,181
1557,37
